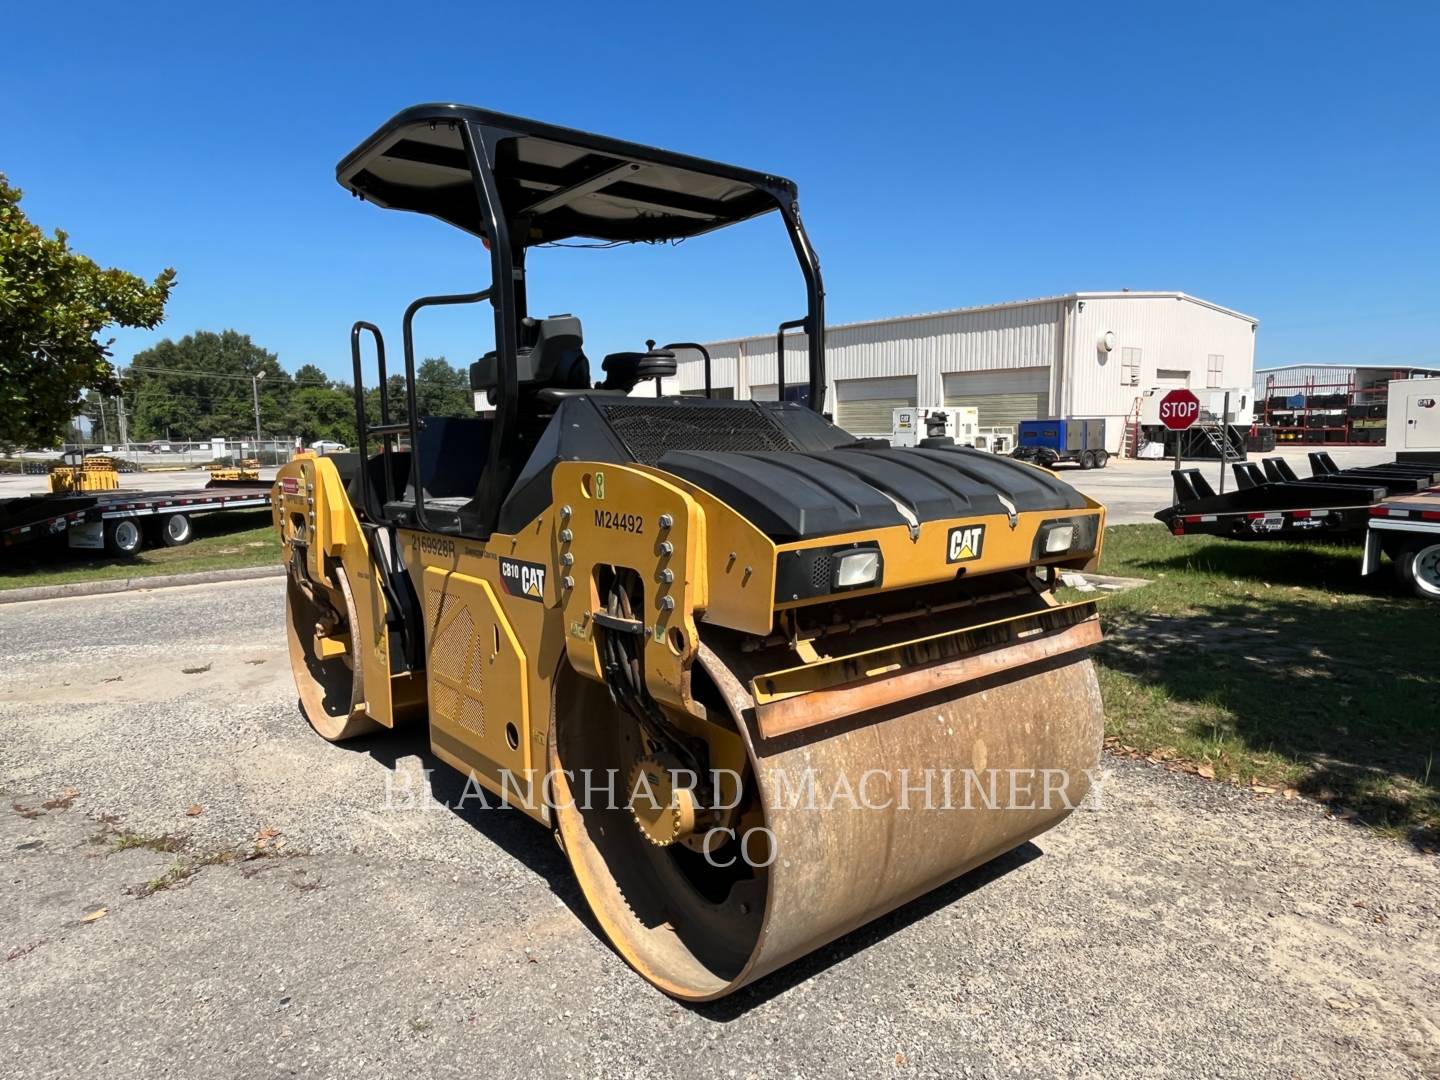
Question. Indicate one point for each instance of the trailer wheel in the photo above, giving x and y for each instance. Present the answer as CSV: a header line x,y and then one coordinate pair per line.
x,y
172,530
1418,568
122,537
1087,460
1102,458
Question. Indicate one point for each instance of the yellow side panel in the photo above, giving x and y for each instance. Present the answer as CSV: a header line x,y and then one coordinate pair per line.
x,y
310,505
479,696
621,516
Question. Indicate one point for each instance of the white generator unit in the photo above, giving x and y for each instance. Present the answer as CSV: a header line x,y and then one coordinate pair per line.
x,y
911,425
1212,404
1412,422
998,440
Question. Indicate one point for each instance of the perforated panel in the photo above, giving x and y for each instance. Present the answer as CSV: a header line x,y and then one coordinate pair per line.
x,y
475,676
453,657
472,711
649,431
820,573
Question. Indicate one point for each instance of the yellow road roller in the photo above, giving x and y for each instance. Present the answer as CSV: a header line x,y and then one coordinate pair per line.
x,y
764,680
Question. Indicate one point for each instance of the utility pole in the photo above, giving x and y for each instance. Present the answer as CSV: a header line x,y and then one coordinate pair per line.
x,y
255,389
104,427
120,419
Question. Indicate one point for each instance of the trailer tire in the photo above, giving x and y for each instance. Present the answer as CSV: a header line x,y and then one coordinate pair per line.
x,y
1417,567
172,530
1102,458
123,537
1087,460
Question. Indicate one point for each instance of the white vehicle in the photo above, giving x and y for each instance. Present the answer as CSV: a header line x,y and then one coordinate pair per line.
x,y
327,446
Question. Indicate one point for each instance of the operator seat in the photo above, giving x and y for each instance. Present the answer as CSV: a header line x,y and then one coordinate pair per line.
x,y
549,355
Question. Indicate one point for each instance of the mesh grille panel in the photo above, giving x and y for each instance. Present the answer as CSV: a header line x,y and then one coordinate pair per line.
x,y
447,654
472,711
445,700
820,571
649,431
456,647
472,714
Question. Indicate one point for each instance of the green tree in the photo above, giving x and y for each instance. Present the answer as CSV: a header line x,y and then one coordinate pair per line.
x,y
201,386
54,303
441,390
323,412
320,407
395,391
311,375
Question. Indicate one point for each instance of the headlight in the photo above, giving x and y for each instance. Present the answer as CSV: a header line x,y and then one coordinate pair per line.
x,y
1058,539
856,568
1069,537
828,571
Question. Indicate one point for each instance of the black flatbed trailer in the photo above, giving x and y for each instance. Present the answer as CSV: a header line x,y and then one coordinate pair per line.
x,y
116,521
1395,506
1270,502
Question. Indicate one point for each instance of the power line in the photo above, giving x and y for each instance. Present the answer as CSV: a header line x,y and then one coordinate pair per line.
x,y
246,378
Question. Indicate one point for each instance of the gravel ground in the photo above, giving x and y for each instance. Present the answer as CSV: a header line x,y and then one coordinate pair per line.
x,y
1178,928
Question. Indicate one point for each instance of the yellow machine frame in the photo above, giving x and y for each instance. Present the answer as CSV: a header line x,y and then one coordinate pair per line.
x,y
501,616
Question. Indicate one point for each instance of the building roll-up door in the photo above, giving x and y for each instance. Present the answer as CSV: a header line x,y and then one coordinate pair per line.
x,y
718,393
866,406
1003,397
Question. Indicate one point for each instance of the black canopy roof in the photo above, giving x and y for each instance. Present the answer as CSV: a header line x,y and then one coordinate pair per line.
x,y
554,182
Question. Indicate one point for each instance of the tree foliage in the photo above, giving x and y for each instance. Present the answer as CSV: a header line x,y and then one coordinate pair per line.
x,y
54,303
200,387
441,390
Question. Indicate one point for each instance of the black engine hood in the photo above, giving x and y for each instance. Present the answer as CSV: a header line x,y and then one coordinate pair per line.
x,y
798,495
792,473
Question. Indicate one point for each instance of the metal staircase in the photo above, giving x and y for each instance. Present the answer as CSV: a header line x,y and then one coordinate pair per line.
x,y
1218,436
1130,440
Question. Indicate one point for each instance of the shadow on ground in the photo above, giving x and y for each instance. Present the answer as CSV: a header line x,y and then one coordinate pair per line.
x,y
52,553
1308,660
527,842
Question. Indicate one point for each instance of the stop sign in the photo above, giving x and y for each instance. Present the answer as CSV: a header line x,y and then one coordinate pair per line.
x,y
1179,409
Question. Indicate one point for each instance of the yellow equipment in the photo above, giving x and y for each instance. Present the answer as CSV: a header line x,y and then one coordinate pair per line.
x,y
247,472
764,680
94,473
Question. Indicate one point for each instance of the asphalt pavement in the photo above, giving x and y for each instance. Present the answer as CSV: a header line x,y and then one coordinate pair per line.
x,y
196,885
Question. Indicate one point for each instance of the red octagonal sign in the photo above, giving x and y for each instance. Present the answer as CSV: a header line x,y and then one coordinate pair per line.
x,y
1179,409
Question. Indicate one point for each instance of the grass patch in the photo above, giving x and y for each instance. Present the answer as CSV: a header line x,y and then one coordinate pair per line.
x,y
1277,664
181,871
223,541
127,841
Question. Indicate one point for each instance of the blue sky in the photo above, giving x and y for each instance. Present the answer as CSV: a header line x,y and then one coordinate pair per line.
x,y
1280,159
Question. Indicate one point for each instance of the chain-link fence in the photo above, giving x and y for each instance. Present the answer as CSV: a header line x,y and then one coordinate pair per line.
x,y
167,454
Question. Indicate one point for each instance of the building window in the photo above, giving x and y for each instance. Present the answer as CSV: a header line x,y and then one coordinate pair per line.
x,y
1130,367
1214,370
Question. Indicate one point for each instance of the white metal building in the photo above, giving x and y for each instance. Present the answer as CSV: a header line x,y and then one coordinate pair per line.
x,y
1333,378
1084,355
